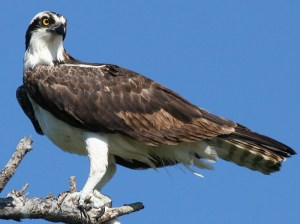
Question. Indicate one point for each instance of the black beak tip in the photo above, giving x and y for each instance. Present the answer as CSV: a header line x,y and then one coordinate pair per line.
x,y
60,30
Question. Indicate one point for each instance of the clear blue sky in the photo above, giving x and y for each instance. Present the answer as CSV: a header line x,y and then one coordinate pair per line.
x,y
237,59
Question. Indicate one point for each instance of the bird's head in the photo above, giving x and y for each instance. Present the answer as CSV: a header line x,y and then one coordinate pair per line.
x,y
44,39
46,26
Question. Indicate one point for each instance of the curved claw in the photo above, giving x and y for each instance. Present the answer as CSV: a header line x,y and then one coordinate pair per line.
x,y
84,201
89,201
96,202
100,212
105,199
83,212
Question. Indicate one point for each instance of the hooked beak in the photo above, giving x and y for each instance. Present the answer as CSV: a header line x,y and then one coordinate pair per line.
x,y
59,30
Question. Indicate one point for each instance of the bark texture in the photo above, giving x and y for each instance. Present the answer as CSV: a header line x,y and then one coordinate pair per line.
x,y
64,208
9,170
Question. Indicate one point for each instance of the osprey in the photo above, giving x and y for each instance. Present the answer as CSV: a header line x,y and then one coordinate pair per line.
x,y
117,116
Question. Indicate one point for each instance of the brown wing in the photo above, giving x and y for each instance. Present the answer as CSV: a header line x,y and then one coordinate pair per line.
x,y
111,99
27,108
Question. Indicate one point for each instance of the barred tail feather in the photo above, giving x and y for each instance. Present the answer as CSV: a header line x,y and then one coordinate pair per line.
x,y
243,147
251,150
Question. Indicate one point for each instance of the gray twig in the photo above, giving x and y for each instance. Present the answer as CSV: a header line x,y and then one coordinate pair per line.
x,y
9,170
72,184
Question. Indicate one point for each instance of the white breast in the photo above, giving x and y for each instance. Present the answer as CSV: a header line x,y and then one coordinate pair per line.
x,y
66,137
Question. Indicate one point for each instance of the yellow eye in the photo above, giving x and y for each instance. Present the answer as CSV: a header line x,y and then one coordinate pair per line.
x,y
45,21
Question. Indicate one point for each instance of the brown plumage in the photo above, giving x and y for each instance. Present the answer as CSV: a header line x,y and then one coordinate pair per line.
x,y
25,104
110,99
114,115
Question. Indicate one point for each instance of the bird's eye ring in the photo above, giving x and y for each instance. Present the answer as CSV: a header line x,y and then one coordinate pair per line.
x,y
45,21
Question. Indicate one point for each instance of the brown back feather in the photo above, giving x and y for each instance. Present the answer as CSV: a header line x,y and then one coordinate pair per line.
x,y
115,100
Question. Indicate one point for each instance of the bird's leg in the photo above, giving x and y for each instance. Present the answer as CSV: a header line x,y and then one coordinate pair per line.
x,y
110,171
97,149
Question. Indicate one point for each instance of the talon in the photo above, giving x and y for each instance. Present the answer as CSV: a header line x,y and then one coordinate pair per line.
x,y
83,212
107,202
100,213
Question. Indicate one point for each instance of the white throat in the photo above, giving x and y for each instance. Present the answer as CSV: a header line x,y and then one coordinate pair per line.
x,y
44,48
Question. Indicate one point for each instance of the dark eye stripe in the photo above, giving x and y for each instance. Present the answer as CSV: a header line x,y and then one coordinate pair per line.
x,y
33,26
51,19
37,23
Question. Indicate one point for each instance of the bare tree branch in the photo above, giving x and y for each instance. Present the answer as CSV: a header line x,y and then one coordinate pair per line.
x,y
17,206
9,170
64,208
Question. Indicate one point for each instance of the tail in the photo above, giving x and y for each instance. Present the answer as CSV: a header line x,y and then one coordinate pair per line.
x,y
251,150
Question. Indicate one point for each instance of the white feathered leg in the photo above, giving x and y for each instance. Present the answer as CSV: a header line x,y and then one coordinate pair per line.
x,y
110,171
100,169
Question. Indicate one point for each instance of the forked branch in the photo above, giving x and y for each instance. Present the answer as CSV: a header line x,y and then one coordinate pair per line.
x,y
64,208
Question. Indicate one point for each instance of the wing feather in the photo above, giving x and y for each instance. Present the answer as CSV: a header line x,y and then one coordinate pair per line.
x,y
26,106
111,99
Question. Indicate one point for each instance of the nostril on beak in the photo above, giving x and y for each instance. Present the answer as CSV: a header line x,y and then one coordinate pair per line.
x,y
60,30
